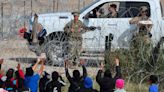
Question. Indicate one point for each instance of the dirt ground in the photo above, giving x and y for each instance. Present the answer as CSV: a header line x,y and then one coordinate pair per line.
x,y
16,50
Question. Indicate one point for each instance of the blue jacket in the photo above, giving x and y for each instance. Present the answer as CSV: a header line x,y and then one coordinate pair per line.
x,y
153,88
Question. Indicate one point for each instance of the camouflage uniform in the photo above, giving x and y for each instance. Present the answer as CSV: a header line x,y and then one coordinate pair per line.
x,y
141,41
75,31
108,16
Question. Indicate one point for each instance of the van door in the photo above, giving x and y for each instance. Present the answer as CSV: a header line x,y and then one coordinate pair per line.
x,y
119,26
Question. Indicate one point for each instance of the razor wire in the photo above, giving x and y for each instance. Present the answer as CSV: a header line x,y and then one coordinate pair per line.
x,y
57,50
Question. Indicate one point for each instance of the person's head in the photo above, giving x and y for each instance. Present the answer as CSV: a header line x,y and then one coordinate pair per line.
x,y
55,76
143,10
107,73
76,74
76,16
112,8
29,71
102,11
10,73
120,84
88,83
153,79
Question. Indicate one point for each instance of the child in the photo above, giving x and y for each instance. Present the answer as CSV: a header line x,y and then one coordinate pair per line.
x,y
119,85
153,84
55,85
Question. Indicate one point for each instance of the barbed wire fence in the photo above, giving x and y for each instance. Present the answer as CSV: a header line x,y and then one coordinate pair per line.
x,y
16,13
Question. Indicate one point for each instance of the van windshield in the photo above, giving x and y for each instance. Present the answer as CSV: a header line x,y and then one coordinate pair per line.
x,y
82,10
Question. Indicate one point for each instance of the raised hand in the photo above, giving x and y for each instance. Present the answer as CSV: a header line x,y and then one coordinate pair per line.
x,y
43,56
82,62
117,62
66,63
18,66
1,61
102,66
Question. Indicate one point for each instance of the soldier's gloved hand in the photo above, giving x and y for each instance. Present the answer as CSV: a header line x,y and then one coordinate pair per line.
x,y
92,28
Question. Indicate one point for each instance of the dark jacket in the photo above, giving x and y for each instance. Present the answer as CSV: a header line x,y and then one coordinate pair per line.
x,y
87,90
76,84
54,86
42,83
107,84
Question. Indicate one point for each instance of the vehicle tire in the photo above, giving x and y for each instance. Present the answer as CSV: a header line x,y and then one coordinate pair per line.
x,y
56,48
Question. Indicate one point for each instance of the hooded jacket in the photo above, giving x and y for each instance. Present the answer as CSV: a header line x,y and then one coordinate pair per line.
x,y
76,82
107,83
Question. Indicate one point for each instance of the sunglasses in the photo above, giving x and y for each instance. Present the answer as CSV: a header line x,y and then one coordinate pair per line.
x,y
144,12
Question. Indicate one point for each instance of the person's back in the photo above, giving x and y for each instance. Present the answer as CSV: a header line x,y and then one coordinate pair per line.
x,y
88,85
77,81
107,83
31,79
43,82
55,85
153,88
9,86
153,83
88,90
76,85
9,83
32,82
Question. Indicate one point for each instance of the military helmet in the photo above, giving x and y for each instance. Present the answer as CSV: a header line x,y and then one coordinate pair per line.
x,y
75,13
143,8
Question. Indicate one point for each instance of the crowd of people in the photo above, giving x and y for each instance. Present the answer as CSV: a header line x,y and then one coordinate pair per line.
x,y
34,81
40,81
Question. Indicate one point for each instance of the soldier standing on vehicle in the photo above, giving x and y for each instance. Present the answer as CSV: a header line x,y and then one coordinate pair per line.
x,y
141,40
75,28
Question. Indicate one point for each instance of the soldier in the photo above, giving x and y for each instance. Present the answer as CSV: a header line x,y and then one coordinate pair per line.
x,y
142,38
112,12
75,28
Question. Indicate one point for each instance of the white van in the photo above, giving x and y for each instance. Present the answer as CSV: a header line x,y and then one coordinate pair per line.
x,y
119,27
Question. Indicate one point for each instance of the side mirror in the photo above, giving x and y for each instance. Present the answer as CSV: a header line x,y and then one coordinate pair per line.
x,y
86,17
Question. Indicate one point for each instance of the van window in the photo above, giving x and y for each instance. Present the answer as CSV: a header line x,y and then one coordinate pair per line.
x,y
162,7
123,9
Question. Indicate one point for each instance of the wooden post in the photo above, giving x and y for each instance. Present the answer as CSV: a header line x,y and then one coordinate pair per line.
x,y
53,6
83,3
24,12
79,5
31,8
57,5
2,18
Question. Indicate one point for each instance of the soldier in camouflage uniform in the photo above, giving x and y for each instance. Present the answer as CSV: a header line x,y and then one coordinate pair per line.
x,y
75,28
141,41
112,12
